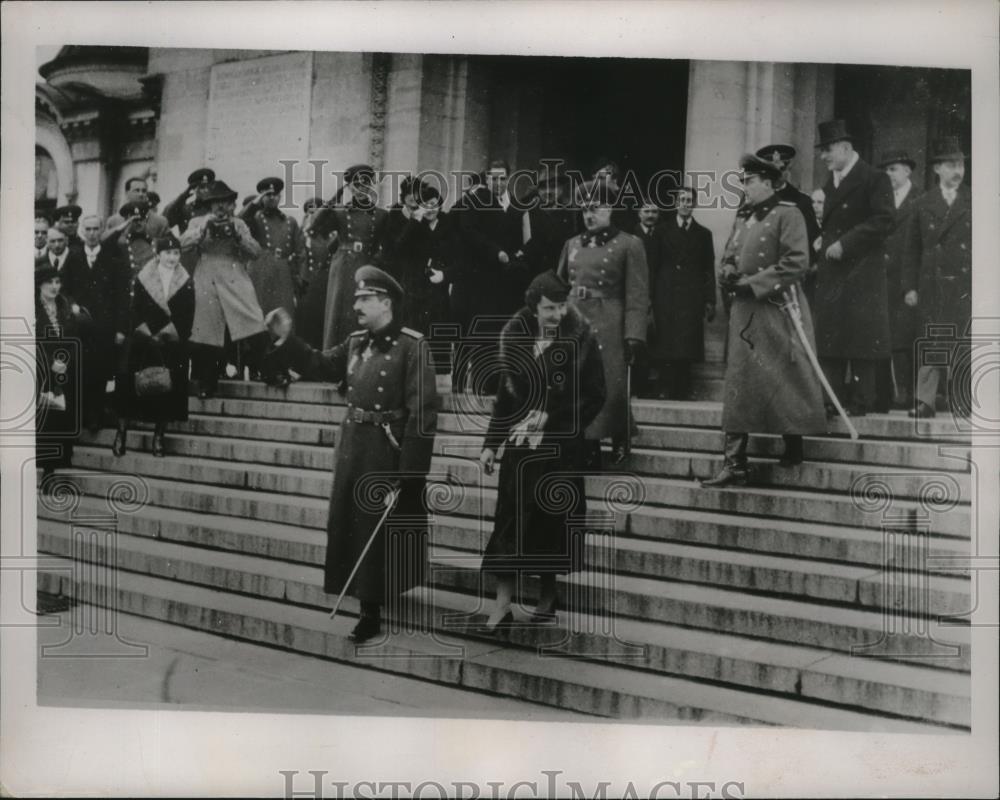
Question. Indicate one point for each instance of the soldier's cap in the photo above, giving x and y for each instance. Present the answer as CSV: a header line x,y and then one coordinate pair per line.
x,y
546,284
153,198
71,211
834,130
44,273
360,173
370,280
203,175
754,165
594,193
219,191
896,157
273,185
167,242
778,153
140,207
312,203
947,149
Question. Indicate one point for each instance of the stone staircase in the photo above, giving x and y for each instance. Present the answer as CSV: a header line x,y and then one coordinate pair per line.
x,y
812,599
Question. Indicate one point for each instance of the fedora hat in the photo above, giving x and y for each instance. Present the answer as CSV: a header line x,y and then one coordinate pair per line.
x,y
896,157
834,130
219,191
947,149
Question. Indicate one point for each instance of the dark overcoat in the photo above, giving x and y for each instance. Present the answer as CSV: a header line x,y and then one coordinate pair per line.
x,y
770,385
681,284
57,430
610,283
171,315
315,254
904,321
274,271
938,258
388,372
852,310
361,237
541,491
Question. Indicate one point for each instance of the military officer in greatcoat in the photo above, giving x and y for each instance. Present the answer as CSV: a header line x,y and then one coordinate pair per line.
x,y
852,309
938,274
771,387
607,271
191,202
275,271
385,441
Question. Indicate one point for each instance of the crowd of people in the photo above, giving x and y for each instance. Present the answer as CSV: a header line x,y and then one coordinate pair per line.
x,y
560,309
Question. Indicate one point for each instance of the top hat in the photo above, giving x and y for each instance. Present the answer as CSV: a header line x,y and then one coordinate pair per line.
x,y
203,175
751,164
777,153
834,130
947,149
219,191
896,157
370,280
273,185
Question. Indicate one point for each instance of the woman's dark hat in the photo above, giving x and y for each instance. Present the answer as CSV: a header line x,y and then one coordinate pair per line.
x,y
167,242
546,284
44,273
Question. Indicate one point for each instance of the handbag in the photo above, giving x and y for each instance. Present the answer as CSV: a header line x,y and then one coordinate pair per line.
x,y
153,381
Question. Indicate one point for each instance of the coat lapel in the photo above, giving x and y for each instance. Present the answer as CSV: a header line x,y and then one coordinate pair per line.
x,y
959,208
851,182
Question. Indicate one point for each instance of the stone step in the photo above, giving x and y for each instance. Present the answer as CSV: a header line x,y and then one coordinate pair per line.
x,y
705,607
790,621
609,491
764,574
700,414
257,444
568,682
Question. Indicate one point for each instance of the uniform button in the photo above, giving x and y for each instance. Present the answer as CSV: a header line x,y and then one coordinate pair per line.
x,y
760,254
763,238
388,358
395,341
381,372
605,261
760,269
378,407
350,388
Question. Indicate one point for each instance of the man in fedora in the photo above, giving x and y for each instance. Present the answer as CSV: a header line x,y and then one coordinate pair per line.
x,y
894,381
937,273
385,441
191,202
220,245
852,313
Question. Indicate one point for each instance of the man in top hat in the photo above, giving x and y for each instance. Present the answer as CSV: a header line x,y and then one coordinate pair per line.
x,y
67,219
275,272
219,246
385,441
937,274
781,156
131,240
682,289
607,270
137,191
894,381
852,310
361,228
98,280
191,202
771,386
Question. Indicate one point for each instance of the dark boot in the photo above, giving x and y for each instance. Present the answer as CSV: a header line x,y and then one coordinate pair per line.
x,y
370,624
735,471
157,448
118,447
793,451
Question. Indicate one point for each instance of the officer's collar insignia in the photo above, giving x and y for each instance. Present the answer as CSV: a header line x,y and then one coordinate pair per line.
x,y
384,339
762,209
599,238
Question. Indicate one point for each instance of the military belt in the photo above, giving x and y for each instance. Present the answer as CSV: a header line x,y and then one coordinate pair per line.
x,y
375,417
586,292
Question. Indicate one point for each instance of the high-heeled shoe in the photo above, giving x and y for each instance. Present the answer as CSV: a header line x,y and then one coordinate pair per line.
x,y
157,448
503,624
118,446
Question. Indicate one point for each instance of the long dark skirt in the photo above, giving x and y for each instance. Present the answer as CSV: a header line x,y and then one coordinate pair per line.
x,y
169,407
540,523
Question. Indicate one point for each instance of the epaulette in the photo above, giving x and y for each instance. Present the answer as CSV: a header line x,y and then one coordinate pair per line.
x,y
787,203
411,332
361,332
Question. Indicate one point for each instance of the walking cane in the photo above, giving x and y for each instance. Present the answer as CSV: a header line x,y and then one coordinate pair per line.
x,y
391,499
628,409
792,306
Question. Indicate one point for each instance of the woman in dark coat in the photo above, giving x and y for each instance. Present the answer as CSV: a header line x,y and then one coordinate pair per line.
x,y
161,314
551,389
58,329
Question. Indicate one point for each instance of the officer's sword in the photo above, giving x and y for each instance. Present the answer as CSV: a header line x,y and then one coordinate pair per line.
x,y
390,501
795,314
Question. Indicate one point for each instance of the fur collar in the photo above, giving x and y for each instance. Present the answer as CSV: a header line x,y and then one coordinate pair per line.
x,y
149,277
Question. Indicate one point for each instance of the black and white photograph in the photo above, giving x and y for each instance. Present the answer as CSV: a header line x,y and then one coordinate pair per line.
x,y
565,409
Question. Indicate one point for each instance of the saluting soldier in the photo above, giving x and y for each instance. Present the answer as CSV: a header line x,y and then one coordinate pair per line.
x,y
137,191
315,253
938,277
132,239
607,271
275,271
386,439
771,387
191,202
361,228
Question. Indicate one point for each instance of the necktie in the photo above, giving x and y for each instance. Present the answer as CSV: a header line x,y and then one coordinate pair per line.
x,y
525,228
